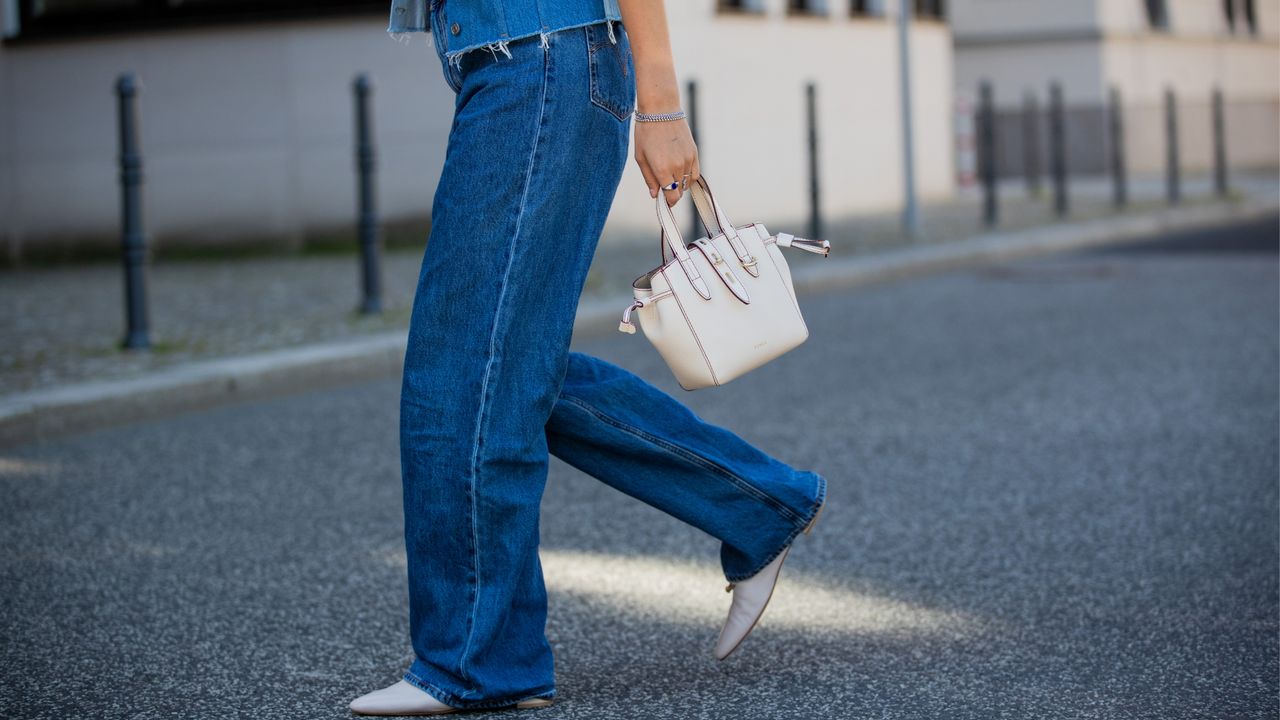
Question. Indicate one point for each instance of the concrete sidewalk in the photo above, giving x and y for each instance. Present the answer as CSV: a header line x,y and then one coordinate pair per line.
x,y
296,335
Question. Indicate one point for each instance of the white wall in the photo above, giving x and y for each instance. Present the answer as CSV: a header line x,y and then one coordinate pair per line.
x,y
1187,18
247,130
1094,45
751,72
1196,54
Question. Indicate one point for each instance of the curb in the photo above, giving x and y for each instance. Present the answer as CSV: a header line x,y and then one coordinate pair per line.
x,y
43,414
1044,240
40,415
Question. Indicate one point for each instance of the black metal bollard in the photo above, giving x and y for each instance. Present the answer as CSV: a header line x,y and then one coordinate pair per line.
x,y
1058,150
811,111
987,154
370,243
1031,143
1219,144
1173,171
691,115
1119,172
133,242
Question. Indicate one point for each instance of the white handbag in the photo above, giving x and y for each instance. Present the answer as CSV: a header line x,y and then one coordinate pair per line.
x,y
721,305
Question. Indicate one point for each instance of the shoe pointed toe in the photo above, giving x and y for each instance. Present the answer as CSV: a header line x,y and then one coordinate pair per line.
x,y
402,698
750,597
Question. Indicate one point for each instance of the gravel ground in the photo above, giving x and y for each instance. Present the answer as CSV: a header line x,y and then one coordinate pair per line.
x,y
64,325
1053,495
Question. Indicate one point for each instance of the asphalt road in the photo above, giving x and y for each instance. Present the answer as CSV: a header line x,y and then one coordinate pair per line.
x,y
1053,495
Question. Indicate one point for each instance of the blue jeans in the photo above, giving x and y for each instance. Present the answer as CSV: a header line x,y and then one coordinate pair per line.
x,y
536,150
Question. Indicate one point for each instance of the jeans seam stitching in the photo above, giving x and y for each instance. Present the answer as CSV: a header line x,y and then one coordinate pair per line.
x,y
678,451
596,97
458,701
484,388
443,50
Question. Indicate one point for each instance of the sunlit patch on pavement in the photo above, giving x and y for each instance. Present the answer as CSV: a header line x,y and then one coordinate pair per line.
x,y
15,467
682,591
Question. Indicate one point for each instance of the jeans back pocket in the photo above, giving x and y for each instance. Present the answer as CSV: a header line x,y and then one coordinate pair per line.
x,y
613,84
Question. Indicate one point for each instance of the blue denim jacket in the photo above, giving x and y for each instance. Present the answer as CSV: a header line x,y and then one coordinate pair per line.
x,y
491,24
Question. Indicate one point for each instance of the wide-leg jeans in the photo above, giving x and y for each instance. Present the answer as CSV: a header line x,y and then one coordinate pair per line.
x,y
537,147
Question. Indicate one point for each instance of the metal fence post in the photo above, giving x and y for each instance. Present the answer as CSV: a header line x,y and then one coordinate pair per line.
x,y
910,203
370,272
1219,144
811,111
1119,172
133,241
1031,143
1173,171
987,153
1058,148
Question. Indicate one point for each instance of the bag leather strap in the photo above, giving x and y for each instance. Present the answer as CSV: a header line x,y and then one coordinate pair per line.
x,y
787,240
716,260
707,205
710,212
671,238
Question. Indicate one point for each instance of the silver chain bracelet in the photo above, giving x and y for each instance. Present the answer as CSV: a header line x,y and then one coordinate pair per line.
x,y
644,117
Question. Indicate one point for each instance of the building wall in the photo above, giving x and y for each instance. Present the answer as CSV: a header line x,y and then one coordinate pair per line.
x,y
247,130
1091,47
993,20
751,73
1198,54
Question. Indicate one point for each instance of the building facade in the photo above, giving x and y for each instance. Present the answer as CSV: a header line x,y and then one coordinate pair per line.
x,y
1141,49
246,119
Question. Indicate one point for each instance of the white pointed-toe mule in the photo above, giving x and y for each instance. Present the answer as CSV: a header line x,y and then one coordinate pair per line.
x,y
403,698
750,597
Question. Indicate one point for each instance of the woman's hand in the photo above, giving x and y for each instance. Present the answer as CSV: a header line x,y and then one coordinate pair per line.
x,y
664,150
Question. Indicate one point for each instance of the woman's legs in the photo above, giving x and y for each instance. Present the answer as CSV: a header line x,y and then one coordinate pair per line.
x,y
530,172
617,427
537,148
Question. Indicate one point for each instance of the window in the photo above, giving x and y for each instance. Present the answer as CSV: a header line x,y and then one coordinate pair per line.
x,y
806,7
932,9
1157,14
48,18
867,8
741,6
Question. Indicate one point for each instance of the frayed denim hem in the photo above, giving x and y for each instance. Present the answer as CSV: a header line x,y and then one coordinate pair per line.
x,y
791,536
454,57
453,700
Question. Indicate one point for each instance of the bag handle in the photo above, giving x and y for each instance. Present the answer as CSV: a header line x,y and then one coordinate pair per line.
x,y
671,237
711,213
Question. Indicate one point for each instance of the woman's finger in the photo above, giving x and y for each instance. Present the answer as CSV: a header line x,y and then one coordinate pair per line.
x,y
668,178
649,180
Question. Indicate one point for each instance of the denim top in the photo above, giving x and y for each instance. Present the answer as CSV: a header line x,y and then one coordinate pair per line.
x,y
471,24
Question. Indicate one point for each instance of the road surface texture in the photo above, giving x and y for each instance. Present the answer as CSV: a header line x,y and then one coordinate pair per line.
x,y
1053,495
